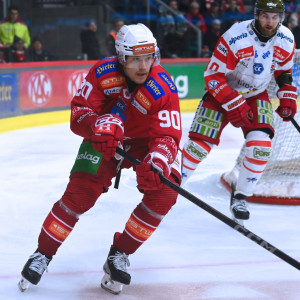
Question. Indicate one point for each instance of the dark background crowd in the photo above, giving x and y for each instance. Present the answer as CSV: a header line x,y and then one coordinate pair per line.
x,y
48,30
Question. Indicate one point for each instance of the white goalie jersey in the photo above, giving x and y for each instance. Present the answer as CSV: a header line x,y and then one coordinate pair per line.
x,y
241,62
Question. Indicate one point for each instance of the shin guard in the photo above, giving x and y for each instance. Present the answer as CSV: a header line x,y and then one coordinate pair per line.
x,y
258,150
138,229
56,227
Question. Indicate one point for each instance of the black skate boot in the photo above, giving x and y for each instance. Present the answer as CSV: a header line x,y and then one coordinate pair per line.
x,y
34,269
115,271
238,206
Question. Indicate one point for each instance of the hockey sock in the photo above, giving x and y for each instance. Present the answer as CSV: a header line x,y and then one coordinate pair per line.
x,y
194,152
258,150
57,226
138,229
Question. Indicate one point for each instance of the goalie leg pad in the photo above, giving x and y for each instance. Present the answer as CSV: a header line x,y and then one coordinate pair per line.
x,y
258,151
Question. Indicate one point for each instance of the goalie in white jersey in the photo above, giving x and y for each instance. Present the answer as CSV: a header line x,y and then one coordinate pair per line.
x,y
243,63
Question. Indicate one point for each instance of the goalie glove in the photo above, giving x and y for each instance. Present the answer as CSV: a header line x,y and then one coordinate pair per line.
x,y
287,95
238,111
163,152
108,133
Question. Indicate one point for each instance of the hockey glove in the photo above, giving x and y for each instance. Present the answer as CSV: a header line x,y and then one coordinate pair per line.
x,y
287,95
163,155
238,111
108,132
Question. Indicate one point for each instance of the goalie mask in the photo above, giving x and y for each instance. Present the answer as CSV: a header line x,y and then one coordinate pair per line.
x,y
136,40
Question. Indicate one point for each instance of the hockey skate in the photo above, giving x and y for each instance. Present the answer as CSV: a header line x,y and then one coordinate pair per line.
x,y
238,207
115,272
33,270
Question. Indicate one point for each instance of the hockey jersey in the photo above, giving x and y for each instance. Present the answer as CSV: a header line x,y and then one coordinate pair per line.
x,y
150,111
241,62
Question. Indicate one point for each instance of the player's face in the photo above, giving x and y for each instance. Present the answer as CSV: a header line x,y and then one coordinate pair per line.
x,y
137,68
268,22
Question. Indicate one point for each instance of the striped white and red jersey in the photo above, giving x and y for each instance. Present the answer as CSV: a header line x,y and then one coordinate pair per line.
x,y
241,62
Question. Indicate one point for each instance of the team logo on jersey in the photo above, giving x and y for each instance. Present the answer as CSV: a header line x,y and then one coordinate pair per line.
x,y
142,99
168,81
112,81
106,68
213,84
280,53
258,68
154,88
266,55
121,105
237,38
139,106
116,111
115,90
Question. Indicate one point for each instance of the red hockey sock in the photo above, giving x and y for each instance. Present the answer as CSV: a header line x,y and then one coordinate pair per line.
x,y
138,229
57,226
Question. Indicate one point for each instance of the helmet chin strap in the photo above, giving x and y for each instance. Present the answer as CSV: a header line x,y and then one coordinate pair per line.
x,y
256,28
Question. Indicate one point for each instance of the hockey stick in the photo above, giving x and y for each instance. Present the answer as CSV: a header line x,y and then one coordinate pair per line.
x,y
247,233
295,123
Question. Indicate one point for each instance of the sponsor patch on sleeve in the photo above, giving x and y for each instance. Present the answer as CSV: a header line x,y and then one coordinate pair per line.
x,y
154,88
166,78
106,68
143,100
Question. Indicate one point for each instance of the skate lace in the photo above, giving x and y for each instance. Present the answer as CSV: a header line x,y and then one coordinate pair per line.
x,y
120,260
39,263
240,205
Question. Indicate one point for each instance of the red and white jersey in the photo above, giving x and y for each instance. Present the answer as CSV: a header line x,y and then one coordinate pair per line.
x,y
241,62
150,111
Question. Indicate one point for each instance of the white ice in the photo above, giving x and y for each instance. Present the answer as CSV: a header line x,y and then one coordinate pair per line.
x,y
192,255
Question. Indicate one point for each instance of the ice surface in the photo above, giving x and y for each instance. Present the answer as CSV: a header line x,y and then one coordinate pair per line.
x,y
192,255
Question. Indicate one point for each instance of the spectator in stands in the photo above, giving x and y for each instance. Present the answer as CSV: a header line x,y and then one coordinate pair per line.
x,y
196,18
296,33
38,53
172,31
213,13
89,42
17,52
295,18
211,38
111,38
233,12
13,26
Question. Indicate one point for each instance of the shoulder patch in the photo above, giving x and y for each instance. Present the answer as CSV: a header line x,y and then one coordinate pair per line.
x,y
143,100
112,82
154,88
166,78
105,68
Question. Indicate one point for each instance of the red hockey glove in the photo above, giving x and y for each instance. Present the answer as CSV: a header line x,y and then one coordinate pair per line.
x,y
287,95
163,155
238,111
108,132
146,178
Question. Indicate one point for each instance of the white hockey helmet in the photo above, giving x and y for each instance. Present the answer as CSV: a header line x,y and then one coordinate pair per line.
x,y
135,40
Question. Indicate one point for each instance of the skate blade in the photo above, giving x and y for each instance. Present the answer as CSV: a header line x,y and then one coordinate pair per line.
x,y
110,286
23,284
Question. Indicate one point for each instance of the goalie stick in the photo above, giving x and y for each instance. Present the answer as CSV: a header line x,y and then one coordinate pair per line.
x,y
236,226
295,123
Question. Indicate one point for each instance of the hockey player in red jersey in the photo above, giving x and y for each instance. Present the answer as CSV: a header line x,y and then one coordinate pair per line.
x,y
128,101
244,61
